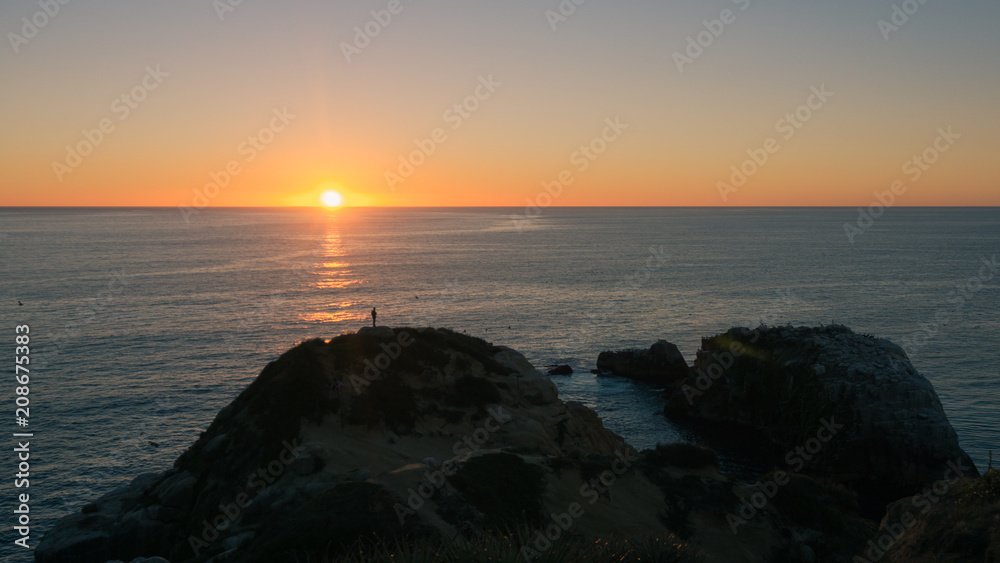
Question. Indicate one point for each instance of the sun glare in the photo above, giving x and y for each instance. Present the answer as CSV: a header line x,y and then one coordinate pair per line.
x,y
331,198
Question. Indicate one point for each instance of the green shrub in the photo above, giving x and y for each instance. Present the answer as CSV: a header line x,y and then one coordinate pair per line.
x,y
983,491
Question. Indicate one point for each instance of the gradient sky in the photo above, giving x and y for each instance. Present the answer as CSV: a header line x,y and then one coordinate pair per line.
x,y
355,120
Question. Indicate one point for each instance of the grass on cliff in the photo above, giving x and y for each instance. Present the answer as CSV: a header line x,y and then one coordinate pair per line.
x,y
961,526
508,548
982,492
430,344
390,400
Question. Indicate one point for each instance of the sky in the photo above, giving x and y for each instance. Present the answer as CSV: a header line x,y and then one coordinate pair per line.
x,y
513,103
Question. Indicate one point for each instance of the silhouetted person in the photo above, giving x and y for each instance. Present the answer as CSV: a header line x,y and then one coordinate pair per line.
x,y
374,314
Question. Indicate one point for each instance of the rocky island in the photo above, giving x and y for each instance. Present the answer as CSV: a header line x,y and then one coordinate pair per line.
x,y
879,425
662,364
411,443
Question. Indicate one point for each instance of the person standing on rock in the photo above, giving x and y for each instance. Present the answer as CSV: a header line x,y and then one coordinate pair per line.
x,y
374,314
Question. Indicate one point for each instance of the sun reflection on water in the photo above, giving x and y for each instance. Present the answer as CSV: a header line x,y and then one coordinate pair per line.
x,y
333,274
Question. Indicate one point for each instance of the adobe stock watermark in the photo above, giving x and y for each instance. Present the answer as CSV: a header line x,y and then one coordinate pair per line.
x,y
696,44
721,362
89,313
591,491
914,168
901,14
374,368
137,437
249,150
582,158
223,7
456,116
797,459
364,34
436,479
787,126
958,298
122,107
230,512
31,26
923,500
563,12
252,318
624,291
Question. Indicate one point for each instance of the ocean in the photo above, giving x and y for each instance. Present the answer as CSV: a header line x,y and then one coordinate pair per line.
x,y
143,326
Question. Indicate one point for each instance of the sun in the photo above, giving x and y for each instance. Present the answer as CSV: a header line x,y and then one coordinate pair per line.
x,y
331,198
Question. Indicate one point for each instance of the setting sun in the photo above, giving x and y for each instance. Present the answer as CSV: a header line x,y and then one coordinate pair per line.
x,y
331,198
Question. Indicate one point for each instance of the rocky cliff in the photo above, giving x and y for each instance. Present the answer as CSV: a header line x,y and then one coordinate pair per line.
x,y
956,519
408,434
835,404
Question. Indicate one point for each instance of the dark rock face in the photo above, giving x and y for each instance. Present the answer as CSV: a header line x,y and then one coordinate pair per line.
x,y
663,364
846,407
420,433
822,517
324,446
958,521
561,370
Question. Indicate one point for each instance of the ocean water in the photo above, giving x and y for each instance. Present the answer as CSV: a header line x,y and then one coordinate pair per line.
x,y
144,326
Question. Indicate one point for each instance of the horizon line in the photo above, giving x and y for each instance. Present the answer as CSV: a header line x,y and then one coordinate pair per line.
x,y
321,208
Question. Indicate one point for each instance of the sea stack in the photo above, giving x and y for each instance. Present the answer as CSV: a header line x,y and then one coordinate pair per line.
x,y
662,364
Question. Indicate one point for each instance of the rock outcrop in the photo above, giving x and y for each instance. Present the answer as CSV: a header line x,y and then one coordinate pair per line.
x,y
403,434
843,406
663,364
957,519
561,370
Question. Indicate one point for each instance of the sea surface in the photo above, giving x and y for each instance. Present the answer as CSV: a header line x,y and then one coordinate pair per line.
x,y
143,326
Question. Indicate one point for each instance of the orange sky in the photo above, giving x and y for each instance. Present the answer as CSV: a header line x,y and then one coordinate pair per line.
x,y
485,105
